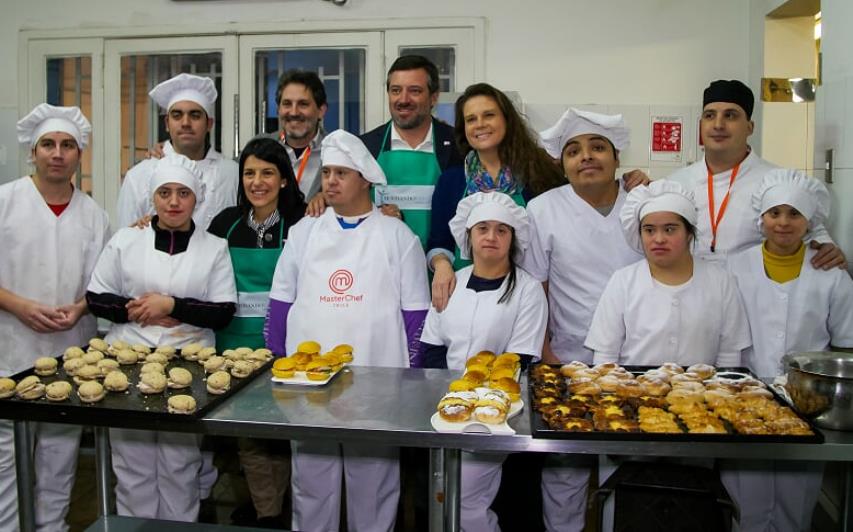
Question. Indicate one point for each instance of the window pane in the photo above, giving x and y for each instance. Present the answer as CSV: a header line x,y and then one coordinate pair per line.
x,y
444,58
340,70
142,123
69,82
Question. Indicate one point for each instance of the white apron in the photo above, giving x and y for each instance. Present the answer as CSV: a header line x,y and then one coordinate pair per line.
x,y
348,294
475,321
131,267
49,259
793,316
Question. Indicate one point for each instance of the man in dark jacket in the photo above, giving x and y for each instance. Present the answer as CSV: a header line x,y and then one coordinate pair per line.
x,y
413,148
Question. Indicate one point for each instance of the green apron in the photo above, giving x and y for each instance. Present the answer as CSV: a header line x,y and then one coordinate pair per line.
x,y
458,261
253,272
411,180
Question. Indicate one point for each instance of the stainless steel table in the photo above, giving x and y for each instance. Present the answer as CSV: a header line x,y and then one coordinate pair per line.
x,y
392,406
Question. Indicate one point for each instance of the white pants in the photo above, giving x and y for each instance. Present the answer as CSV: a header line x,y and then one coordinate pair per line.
x,y
8,485
208,474
157,474
371,475
481,479
55,458
565,479
773,495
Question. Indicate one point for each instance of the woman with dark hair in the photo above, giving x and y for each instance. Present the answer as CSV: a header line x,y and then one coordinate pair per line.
x,y
502,155
497,307
269,202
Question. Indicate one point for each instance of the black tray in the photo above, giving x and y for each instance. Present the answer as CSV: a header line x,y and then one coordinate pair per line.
x,y
128,405
540,429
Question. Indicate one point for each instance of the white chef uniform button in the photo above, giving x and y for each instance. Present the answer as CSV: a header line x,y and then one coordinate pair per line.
x,y
672,340
780,334
674,302
783,297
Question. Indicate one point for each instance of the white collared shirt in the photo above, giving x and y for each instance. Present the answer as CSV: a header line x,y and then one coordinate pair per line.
x,y
397,142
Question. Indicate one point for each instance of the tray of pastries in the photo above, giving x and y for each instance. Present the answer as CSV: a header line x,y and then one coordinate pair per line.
x,y
484,398
665,403
134,380
307,367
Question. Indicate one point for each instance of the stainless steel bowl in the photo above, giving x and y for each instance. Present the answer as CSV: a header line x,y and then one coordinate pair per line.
x,y
821,386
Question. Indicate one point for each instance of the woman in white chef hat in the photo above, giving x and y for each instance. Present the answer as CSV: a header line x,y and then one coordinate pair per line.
x,y
792,307
496,307
669,307
168,284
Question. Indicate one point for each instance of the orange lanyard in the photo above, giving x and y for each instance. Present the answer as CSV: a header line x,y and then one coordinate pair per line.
x,y
715,220
305,155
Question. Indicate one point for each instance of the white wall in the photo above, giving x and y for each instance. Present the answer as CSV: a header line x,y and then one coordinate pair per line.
x,y
635,55
834,115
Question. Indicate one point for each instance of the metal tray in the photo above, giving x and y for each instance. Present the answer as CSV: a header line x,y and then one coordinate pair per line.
x,y
539,429
130,404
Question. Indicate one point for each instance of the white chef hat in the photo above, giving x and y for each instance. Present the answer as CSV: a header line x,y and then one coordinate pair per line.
x,y
186,87
341,148
784,186
658,196
46,118
575,122
489,206
174,168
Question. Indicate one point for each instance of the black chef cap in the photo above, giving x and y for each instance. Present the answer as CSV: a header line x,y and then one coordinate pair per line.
x,y
732,91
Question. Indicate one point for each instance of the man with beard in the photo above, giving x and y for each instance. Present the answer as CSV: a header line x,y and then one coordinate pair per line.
x,y
413,148
301,101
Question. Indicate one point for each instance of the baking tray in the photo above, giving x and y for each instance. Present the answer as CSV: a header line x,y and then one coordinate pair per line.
x,y
539,429
130,404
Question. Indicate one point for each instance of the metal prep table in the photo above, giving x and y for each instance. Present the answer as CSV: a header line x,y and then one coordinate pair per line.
x,y
391,406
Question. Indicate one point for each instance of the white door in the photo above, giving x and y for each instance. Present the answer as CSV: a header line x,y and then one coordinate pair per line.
x,y
69,72
349,64
132,67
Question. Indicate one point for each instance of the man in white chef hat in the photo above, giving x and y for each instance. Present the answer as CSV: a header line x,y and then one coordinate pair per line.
x,y
576,244
351,276
189,102
53,234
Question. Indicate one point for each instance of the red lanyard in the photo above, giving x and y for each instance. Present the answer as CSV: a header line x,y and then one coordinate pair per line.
x,y
305,155
715,220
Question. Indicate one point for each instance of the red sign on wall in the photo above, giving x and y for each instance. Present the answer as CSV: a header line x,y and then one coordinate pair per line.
x,y
666,136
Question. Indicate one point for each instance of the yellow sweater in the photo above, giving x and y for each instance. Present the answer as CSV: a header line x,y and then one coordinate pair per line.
x,y
783,268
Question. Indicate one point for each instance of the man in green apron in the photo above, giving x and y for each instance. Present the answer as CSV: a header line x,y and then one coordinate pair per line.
x,y
413,148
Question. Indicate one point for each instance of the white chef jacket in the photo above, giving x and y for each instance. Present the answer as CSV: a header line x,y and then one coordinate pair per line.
x,y
738,229
805,314
642,322
49,259
576,250
351,285
131,266
475,321
219,175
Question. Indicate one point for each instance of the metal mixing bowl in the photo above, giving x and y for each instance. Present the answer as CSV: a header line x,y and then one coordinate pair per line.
x,y
821,386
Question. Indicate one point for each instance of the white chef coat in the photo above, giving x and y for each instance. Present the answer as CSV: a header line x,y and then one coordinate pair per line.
x,y
642,322
49,259
220,176
350,285
131,266
475,321
576,250
738,229
805,314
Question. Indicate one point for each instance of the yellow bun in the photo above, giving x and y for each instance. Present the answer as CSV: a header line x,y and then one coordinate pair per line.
x,y
301,358
284,364
481,368
309,347
500,373
476,376
283,373
343,349
508,385
346,358
462,385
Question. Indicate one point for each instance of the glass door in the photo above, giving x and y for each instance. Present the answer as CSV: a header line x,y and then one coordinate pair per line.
x,y
349,64
132,67
66,73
